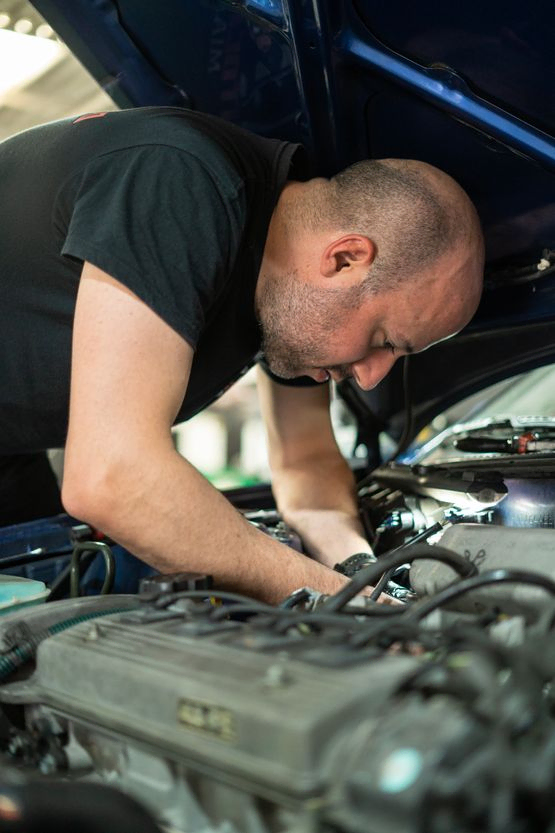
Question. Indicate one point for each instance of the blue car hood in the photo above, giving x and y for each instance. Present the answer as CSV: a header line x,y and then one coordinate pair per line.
x,y
467,87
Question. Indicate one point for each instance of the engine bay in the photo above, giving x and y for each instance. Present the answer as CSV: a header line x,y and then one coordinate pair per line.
x,y
186,709
217,713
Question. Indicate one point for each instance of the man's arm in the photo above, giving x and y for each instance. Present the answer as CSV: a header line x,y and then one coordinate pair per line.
x,y
313,485
122,474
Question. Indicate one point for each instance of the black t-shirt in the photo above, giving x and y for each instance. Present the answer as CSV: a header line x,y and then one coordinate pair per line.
x,y
172,203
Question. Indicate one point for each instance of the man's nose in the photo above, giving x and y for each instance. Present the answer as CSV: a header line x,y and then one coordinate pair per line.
x,y
370,371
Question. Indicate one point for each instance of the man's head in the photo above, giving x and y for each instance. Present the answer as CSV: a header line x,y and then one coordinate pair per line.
x,y
384,259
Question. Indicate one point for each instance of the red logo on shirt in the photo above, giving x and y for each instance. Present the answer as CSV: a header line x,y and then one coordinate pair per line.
x,y
88,116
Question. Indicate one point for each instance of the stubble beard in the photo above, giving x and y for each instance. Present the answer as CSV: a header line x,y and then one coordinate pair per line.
x,y
297,321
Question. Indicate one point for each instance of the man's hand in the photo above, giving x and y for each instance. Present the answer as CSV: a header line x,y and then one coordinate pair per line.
x,y
313,485
130,372
329,535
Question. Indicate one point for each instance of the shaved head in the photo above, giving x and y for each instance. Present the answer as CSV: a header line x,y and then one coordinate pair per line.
x,y
384,259
413,213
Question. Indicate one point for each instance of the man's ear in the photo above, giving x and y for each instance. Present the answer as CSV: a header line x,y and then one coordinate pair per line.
x,y
345,253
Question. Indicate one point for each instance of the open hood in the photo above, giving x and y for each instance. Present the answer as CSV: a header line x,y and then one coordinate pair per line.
x,y
467,87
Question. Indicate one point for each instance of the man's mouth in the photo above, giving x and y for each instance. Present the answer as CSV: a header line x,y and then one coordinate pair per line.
x,y
320,374
338,374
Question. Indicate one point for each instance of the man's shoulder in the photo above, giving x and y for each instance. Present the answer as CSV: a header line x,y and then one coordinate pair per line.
x,y
229,150
173,126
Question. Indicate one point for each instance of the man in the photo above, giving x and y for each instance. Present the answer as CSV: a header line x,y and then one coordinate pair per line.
x,y
156,251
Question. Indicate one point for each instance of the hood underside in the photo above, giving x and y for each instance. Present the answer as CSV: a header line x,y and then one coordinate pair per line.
x,y
467,87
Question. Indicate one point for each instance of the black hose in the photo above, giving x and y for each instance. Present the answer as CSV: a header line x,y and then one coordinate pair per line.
x,y
216,614
416,539
370,574
382,584
421,609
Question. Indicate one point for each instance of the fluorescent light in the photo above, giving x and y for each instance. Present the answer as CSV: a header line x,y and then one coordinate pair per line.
x,y
24,26
44,31
23,58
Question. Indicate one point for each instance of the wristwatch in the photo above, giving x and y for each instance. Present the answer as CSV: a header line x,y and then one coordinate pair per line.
x,y
354,563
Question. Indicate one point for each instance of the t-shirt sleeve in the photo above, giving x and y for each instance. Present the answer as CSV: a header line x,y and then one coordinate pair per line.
x,y
155,219
296,382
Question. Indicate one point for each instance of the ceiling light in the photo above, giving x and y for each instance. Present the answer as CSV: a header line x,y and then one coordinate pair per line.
x,y
4,20
24,26
23,58
44,31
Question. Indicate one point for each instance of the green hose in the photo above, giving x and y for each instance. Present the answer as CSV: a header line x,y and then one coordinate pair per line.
x,y
21,654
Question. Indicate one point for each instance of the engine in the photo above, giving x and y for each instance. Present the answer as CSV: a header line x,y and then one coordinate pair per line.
x,y
215,713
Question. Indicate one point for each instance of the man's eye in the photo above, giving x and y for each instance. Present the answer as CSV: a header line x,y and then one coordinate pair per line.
x,y
387,345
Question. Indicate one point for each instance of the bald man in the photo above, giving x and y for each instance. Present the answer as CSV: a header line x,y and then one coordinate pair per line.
x,y
148,258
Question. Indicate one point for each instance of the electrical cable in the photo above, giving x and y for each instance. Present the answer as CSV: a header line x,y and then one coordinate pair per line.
x,y
406,628
421,609
416,539
284,618
224,611
374,609
396,631
382,583
167,599
341,620
244,605
370,574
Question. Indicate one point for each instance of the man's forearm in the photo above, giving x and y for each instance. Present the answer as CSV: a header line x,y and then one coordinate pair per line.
x,y
161,509
318,499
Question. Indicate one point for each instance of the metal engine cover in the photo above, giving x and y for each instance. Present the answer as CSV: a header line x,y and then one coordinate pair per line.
x,y
490,548
146,704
